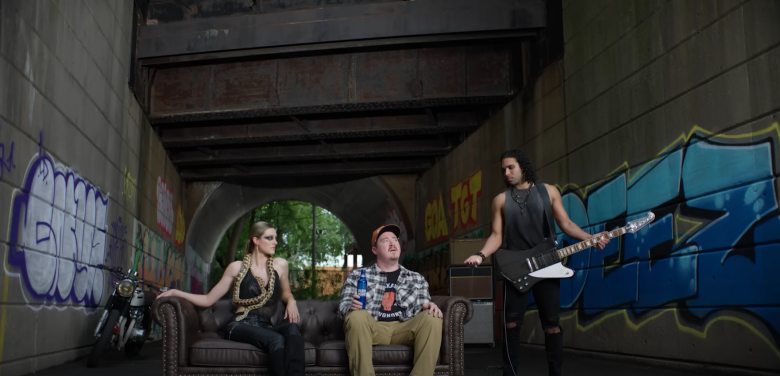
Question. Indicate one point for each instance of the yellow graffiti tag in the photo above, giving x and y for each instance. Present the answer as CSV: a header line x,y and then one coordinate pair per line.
x,y
435,220
464,198
179,238
129,184
682,327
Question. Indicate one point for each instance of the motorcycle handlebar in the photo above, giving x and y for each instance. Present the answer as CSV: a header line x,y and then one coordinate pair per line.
x,y
119,272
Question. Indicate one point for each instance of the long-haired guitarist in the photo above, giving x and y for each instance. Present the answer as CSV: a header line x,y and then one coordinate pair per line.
x,y
519,223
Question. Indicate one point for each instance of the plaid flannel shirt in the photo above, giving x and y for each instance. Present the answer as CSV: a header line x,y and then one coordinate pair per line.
x,y
411,292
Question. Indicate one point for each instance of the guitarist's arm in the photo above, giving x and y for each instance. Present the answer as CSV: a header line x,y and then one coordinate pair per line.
x,y
566,224
493,241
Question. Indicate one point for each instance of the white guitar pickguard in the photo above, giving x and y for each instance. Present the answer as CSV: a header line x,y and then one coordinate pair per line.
x,y
553,271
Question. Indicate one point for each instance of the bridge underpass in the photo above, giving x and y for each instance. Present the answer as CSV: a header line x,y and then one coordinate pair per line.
x,y
321,104
173,117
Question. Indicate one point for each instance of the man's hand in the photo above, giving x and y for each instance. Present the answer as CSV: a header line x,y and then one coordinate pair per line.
x,y
473,260
602,239
433,309
356,304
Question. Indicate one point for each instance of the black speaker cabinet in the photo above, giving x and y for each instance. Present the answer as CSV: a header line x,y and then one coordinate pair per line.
x,y
475,283
480,328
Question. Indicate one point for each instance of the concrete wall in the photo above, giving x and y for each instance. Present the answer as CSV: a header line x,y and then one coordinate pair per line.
x,y
669,106
83,179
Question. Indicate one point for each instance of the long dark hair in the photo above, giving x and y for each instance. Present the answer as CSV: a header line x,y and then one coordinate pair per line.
x,y
529,172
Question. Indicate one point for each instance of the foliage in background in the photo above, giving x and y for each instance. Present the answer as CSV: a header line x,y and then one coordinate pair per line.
x,y
293,222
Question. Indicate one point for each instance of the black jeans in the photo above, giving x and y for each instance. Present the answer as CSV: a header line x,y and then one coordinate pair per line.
x,y
283,343
547,294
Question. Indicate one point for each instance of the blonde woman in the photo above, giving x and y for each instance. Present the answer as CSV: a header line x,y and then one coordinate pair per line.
x,y
258,283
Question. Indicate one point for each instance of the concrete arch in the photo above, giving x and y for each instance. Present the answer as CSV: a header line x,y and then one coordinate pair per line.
x,y
361,204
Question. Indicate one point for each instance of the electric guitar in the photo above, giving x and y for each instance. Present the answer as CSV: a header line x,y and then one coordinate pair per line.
x,y
524,268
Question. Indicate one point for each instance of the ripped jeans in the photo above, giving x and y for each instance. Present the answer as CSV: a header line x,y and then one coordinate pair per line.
x,y
282,343
547,295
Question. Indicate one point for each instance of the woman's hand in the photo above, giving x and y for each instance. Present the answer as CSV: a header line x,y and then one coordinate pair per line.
x,y
291,313
167,293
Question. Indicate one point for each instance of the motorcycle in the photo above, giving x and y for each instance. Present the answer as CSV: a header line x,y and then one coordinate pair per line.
x,y
126,319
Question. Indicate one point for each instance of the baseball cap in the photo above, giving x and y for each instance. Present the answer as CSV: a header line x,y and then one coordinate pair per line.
x,y
382,229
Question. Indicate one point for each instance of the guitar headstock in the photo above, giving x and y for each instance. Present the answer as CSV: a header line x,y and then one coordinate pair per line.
x,y
637,224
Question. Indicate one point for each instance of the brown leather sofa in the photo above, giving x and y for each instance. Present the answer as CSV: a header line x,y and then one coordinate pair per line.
x,y
192,344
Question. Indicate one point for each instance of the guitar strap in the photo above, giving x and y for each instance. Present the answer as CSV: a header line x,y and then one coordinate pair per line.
x,y
547,205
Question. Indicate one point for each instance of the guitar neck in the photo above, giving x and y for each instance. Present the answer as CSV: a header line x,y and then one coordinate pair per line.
x,y
574,248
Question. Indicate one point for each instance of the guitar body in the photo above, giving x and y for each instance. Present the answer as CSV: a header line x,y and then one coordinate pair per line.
x,y
524,268
527,267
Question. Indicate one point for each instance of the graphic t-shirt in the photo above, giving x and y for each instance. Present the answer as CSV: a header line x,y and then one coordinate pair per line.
x,y
390,311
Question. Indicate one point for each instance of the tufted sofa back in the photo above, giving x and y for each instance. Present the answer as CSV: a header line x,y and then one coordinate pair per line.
x,y
320,321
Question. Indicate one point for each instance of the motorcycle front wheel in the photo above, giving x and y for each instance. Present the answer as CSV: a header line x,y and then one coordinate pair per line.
x,y
103,341
134,345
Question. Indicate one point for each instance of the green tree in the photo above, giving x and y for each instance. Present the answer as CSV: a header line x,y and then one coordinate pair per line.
x,y
293,221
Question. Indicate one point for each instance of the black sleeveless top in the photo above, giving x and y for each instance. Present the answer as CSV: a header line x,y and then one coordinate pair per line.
x,y
250,288
523,230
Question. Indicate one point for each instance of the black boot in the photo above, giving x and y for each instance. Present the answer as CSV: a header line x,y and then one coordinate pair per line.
x,y
553,345
512,351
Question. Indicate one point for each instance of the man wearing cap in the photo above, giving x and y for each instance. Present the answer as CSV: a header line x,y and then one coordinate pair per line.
x,y
398,311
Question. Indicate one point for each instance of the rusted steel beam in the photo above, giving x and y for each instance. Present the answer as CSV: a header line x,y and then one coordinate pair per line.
x,y
349,128
385,149
351,22
343,170
412,78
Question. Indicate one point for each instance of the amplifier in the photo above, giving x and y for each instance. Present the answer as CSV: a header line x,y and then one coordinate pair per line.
x,y
480,328
475,283
461,249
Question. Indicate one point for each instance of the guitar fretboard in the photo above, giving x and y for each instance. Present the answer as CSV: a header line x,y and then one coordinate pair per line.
x,y
574,248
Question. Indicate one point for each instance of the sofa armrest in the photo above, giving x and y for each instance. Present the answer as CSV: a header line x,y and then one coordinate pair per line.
x,y
180,328
457,311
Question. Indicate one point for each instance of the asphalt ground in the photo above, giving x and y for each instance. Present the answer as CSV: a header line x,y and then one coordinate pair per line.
x,y
481,360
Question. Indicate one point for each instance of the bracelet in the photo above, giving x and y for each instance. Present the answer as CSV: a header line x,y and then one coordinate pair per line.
x,y
480,254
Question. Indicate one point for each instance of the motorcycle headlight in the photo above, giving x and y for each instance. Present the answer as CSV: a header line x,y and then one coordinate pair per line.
x,y
125,288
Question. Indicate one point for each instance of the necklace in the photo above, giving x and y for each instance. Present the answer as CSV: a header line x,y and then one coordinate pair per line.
x,y
520,196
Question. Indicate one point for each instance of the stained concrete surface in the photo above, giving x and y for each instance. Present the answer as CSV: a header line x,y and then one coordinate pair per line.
x,y
481,360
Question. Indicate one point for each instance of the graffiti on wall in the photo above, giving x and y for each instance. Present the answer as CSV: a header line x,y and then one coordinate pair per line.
x,y
164,208
6,158
58,233
117,244
464,197
464,207
128,187
198,272
712,249
157,261
178,239
435,220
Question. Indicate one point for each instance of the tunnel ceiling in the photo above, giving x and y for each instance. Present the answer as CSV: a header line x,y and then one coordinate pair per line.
x,y
295,92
